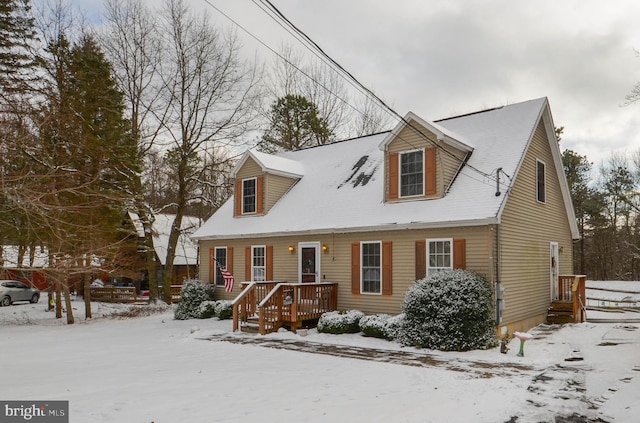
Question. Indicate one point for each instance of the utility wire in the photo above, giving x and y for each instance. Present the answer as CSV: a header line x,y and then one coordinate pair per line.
x,y
367,90
275,14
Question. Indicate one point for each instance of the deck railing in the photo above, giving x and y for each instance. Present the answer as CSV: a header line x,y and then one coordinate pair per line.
x,y
245,304
282,303
293,303
572,289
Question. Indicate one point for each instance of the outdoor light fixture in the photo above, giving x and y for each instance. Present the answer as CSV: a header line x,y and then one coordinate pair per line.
x,y
291,249
325,248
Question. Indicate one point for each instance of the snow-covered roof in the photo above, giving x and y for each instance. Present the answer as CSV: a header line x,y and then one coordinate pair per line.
x,y
10,257
186,249
343,184
276,165
442,134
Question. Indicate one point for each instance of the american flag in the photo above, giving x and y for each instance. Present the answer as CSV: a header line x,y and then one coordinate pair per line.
x,y
228,279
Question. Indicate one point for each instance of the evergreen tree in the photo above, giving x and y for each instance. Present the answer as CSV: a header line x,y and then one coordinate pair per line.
x,y
16,35
294,124
85,159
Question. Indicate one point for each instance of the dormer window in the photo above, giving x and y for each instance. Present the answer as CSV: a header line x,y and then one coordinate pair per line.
x,y
249,196
412,173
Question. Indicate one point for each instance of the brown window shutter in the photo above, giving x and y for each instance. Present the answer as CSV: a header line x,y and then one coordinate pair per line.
x,y
421,259
230,260
212,265
355,268
430,171
247,264
459,254
393,176
237,198
387,268
260,195
269,262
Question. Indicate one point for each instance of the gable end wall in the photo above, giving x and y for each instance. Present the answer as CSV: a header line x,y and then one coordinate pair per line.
x,y
527,228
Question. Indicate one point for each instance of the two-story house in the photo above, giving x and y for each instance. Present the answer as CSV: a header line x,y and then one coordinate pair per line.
x,y
483,191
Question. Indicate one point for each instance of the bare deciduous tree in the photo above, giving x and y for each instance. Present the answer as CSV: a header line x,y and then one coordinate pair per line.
x,y
208,96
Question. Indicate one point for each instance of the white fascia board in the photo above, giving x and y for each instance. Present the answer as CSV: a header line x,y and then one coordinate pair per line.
x,y
440,133
375,228
263,167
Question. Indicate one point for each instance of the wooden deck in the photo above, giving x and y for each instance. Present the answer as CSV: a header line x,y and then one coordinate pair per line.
x,y
571,303
264,307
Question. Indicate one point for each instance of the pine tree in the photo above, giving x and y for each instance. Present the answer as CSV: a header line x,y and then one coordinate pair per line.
x,y
16,35
294,124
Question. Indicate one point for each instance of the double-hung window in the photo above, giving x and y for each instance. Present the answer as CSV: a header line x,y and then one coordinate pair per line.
x,y
249,196
412,173
541,182
439,255
220,256
371,271
258,263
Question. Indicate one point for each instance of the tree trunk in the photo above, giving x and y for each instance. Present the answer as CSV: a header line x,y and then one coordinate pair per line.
x,y
67,299
58,300
87,298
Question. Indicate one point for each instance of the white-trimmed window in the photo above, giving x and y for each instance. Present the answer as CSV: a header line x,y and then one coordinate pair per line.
x,y
371,267
439,255
412,173
258,263
541,182
220,262
249,196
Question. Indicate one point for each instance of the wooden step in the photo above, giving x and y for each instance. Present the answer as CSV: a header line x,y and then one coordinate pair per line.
x,y
561,305
559,319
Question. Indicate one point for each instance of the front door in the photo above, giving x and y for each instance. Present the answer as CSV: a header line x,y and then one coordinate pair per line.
x,y
309,262
554,271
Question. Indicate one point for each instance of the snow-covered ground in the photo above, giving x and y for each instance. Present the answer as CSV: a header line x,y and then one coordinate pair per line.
x,y
157,369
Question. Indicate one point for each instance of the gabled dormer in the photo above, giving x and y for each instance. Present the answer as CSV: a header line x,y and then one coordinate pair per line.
x,y
261,180
421,160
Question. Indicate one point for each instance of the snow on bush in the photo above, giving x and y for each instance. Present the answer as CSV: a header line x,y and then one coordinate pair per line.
x,y
193,293
338,322
449,311
376,325
224,310
207,310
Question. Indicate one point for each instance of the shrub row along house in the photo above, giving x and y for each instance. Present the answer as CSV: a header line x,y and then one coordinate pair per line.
x,y
484,191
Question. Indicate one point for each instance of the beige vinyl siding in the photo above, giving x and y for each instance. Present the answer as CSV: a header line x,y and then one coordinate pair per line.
x,y
335,264
447,165
527,229
274,188
250,169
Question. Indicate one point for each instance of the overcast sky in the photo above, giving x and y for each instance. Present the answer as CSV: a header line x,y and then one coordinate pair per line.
x,y
448,57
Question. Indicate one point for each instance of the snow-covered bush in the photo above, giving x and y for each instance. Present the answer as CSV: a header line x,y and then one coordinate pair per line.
x,y
338,322
394,324
207,310
376,325
224,310
449,311
193,293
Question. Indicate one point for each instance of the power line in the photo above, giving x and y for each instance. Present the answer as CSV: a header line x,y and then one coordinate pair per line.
x,y
367,90
274,13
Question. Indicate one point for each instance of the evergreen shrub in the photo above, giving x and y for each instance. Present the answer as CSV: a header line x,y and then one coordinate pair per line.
x,y
449,311
338,322
193,293
224,310
207,310
376,325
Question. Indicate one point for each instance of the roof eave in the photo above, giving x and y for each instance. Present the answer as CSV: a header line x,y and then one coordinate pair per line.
x,y
374,228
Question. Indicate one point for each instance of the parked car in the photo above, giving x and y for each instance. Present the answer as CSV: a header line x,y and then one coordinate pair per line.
x,y
12,291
